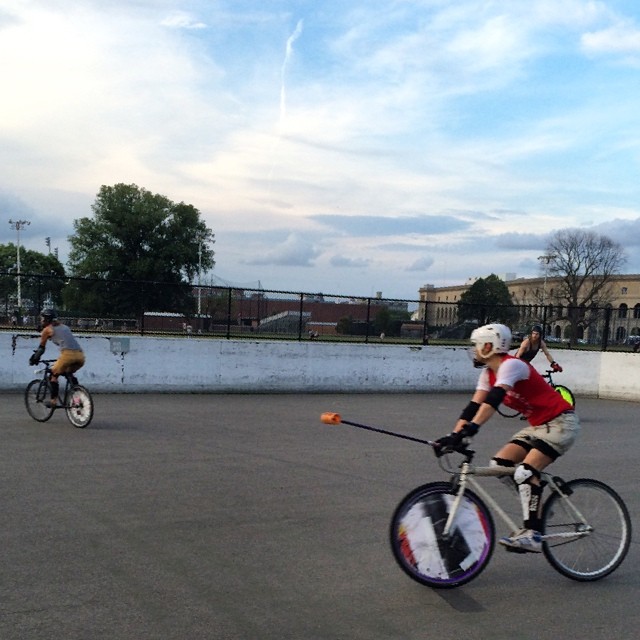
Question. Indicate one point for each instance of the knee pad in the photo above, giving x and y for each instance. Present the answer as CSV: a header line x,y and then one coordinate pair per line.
x,y
530,494
524,473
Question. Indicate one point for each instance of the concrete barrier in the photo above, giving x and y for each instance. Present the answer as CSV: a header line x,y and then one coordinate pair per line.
x,y
138,364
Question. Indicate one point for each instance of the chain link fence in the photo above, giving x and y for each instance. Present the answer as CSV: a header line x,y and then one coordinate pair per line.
x,y
94,305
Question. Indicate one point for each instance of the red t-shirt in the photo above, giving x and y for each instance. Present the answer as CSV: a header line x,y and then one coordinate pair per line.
x,y
529,392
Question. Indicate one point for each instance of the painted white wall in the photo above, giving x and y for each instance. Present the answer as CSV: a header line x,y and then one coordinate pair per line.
x,y
153,364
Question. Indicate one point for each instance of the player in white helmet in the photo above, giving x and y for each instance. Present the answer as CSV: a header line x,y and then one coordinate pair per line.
x,y
553,425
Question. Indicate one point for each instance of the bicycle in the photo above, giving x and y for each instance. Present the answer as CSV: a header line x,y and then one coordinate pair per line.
x,y
442,534
565,392
72,397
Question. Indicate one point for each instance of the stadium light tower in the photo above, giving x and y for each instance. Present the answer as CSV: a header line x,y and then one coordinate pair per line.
x,y
17,225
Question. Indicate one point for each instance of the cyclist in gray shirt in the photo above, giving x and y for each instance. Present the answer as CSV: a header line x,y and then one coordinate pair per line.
x,y
71,355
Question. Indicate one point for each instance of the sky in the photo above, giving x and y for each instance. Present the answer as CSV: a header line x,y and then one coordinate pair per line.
x,y
346,147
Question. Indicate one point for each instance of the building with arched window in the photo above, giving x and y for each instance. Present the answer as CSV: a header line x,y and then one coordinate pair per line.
x,y
537,303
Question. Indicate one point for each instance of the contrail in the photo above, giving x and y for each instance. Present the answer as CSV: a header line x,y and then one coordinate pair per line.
x,y
283,94
287,56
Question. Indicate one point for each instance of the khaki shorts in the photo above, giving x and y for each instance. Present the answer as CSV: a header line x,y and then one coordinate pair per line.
x,y
559,433
70,361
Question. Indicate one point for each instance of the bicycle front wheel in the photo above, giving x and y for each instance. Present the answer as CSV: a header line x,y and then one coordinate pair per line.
x,y
425,553
586,536
566,393
35,396
79,406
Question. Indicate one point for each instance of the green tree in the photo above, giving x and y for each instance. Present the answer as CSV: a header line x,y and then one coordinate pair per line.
x,y
582,265
344,325
139,251
42,278
390,322
487,300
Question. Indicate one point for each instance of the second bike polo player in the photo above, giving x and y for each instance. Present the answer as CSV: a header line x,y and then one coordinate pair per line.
x,y
533,343
71,355
553,425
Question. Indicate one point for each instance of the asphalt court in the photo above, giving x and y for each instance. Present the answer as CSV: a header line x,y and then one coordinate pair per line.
x,y
244,517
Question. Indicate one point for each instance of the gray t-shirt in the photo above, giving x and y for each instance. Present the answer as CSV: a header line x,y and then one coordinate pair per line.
x,y
63,337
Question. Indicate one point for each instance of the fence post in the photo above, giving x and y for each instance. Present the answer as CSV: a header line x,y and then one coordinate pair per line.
x,y
425,326
300,316
228,313
142,306
366,333
607,325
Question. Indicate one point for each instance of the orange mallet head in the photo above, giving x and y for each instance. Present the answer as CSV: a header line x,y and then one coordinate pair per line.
x,y
331,418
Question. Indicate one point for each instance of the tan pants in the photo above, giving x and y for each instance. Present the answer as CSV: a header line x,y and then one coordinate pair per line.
x,y
70,361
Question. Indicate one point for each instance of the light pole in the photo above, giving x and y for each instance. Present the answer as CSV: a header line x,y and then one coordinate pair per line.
x,y
16,226
547,258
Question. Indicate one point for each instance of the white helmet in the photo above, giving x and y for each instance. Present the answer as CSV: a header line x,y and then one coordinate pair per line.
x,y
498,335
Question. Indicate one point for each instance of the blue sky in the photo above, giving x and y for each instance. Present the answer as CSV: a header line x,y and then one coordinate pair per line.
x,y
346,147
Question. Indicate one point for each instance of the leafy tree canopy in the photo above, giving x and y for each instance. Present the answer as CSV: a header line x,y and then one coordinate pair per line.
x,y
487,300
32,290
138,236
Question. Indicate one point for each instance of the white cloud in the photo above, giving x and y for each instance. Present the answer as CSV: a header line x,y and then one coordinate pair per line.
x,y
295,251
420,128
618,39
421,264
182,20
344,261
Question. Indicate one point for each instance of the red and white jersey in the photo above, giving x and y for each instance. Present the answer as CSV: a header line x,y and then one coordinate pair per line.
x,y
529,393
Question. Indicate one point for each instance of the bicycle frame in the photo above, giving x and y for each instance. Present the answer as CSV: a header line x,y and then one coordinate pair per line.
x,y
465,478
63,391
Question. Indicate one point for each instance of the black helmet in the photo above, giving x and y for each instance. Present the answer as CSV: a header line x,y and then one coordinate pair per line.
x,y
49,314
536,327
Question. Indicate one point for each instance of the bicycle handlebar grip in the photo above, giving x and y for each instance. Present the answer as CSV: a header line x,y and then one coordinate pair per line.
x,y
330,418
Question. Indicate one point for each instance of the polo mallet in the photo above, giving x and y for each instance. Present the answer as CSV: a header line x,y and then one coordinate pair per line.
x,y
335,418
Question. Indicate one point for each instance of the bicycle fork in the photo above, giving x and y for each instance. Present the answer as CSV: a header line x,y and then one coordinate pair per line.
x,y
462,480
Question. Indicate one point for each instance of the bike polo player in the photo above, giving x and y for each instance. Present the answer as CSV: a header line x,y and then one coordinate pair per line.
x,y
533,343
553,425
71,355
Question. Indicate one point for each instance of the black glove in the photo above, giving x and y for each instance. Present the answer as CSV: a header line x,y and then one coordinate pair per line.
x,y
452,442
35,356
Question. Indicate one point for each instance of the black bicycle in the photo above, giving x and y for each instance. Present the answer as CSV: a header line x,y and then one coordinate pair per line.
x,y
72,397
565,392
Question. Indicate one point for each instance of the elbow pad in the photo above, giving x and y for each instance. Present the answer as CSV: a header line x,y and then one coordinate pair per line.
x,y
469,412
495,397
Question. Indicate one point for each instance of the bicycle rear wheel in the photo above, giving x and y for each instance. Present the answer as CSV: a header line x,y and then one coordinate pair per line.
x,y
35,396
591,551
79,406
418,544
566,393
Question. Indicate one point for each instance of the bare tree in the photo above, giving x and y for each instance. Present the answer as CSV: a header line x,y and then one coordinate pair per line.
x,y
582,265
